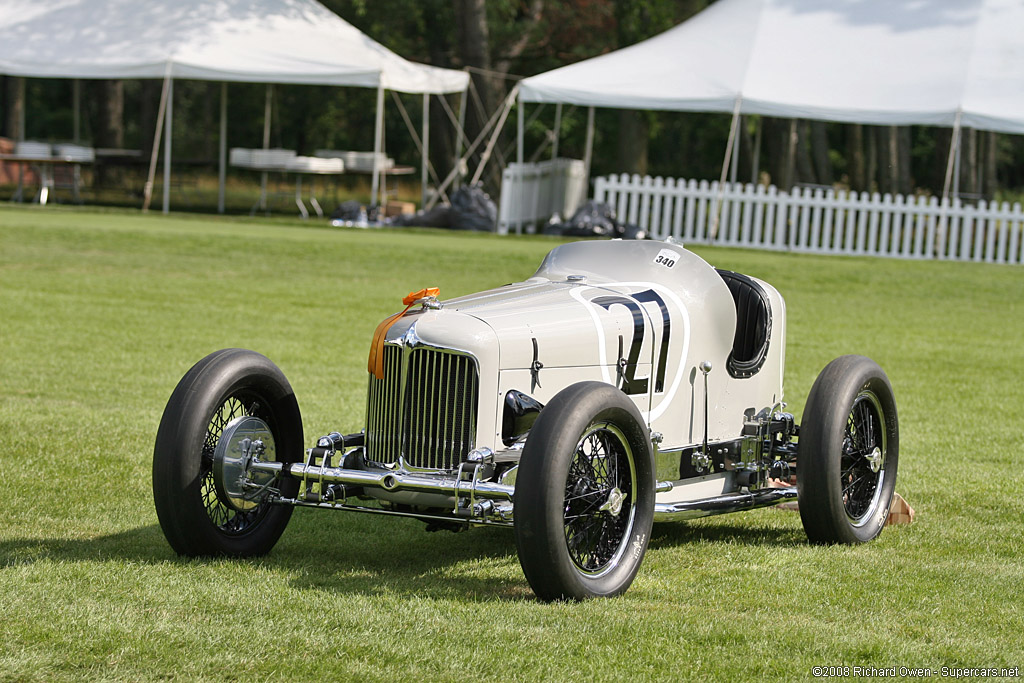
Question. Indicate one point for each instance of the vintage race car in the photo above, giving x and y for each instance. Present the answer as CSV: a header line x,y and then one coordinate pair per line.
x,y
624,382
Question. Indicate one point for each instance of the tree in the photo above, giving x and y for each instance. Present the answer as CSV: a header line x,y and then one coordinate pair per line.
x,y
14,107
108,122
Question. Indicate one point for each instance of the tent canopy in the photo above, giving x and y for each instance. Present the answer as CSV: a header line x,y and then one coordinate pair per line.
x,y
265,41
863,61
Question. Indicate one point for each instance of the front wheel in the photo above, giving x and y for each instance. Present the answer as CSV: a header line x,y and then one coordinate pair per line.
x,y
848,452
196,516
584,500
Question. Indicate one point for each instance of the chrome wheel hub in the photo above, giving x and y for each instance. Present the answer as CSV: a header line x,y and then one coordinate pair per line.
x,y
614,503
245,440
874,459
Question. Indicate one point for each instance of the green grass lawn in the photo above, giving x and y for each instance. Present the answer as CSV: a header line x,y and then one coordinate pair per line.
x,y
101,314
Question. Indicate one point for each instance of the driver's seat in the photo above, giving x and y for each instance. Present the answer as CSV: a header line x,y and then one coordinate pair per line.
x,y
753,324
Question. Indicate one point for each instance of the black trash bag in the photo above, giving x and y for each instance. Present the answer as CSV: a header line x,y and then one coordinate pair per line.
x,y
473,209
593,219
632,232
347,211
438,217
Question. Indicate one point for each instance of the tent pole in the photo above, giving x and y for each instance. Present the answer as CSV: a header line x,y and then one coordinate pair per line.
x,y
588,149
425,152
498,114
223,156
956,163
461,136
147,192
725,167
167,146
267,111
520,129
954,156
378,143
76,96
486,156
558,129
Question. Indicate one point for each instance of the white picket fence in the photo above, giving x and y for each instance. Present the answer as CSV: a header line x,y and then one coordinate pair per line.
x,y
532,192
817,220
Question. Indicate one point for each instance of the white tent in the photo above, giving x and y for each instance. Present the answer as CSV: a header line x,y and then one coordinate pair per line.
x,y
266,41
934,62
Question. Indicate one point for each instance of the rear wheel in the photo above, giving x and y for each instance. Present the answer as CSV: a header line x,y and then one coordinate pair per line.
x,y
584,500
195,516
848,452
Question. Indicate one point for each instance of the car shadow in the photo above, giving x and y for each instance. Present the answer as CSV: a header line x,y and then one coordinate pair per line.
x,y
352,554
745,532
144,545
370,555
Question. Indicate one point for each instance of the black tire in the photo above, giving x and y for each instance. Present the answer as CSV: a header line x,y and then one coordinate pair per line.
x,y
568,547
220,387
848,453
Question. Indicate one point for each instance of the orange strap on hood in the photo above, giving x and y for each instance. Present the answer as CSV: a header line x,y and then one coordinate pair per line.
x,y
376,361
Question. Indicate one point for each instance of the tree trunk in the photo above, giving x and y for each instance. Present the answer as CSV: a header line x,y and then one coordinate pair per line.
x,y
746,160
474,51
855,157
442,132
108,128
886,159
790,140
211,122
780,148
905,181
804,168
149,106
632,137
871,176
969,163
820,152
939,159
991,154
14,107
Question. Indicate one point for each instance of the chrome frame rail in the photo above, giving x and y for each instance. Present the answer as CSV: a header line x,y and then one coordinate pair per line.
x,y
496,520
725,503
396,480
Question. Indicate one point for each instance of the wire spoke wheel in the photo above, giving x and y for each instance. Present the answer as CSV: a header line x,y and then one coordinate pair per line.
x,y
848,452
584,498
599,498
216,393
862,464
225,518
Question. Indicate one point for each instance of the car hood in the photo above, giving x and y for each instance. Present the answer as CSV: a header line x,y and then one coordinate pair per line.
x,y
565,315
554,316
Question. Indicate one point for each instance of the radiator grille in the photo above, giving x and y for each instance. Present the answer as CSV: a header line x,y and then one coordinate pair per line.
x,y
431,419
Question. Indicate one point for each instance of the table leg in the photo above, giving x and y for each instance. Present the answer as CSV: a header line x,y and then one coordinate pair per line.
x,y
312,198
298,197
45,182
19,194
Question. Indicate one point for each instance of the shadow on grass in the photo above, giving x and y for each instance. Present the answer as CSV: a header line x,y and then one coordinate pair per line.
x,y
144,544
356,554
736,531
351,554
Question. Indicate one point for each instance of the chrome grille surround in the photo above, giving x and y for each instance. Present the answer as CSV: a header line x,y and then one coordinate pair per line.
x,y
422,414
